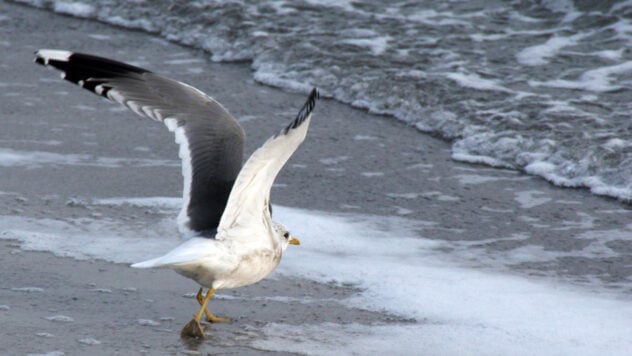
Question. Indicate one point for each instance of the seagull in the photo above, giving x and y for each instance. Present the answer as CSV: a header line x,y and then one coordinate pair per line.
x,y
226,213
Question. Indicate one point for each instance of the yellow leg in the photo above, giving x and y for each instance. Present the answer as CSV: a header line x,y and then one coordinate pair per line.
x,y
203,305
200,300
209,316
194,328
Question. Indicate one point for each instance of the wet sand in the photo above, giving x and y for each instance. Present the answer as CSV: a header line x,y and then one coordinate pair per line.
x,y
351,162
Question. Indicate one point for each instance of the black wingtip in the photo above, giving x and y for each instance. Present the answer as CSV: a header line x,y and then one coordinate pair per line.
x,y
309,105
304,113
39,60
88,71
314,95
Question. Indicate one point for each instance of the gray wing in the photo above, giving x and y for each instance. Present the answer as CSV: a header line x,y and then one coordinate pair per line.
x,y
211,140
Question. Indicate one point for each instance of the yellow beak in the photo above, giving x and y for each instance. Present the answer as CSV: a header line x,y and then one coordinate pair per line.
x,y
294,241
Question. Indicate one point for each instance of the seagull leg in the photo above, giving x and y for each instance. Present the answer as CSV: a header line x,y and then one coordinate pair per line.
x,y
194,328
200,300
210,316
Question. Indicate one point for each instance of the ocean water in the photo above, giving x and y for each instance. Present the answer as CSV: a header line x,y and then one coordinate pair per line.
x,y
538,86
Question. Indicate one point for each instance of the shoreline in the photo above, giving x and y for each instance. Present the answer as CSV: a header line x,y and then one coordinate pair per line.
x,y
352,162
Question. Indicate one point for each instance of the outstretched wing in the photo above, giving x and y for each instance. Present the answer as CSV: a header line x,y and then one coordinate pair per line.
x,y
211,140
250,198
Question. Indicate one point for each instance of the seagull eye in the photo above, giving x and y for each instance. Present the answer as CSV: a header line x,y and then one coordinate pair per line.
x,y
286,235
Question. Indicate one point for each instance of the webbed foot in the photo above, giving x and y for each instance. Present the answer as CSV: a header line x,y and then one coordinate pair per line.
x,y
217,319
193,329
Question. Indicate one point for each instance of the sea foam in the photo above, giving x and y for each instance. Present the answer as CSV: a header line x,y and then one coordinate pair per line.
x,y
398,272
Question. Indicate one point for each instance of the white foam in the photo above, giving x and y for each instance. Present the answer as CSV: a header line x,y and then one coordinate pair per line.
x,y
333,160
465,179
93,238
143,24
421,166
464,311
183,61
550,172
83,107
598,80
35,142
372,174
274,74
541,54
611,54
596,247
376,45
100,37
74,8
566,7
195,70
167,203
36,159
364,138
404,195
49,353
617,143
18,85
475,81
531,198
458,310
147,322
436,18
28,289
60,318
440,339
344,4
89,341
499,211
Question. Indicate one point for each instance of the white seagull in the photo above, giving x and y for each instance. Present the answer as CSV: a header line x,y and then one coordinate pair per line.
x,y
226,207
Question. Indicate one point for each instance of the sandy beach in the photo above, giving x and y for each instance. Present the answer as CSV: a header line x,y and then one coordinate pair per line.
x,y
351,163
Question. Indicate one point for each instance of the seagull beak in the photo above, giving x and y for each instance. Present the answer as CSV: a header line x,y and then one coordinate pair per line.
x,y
294,241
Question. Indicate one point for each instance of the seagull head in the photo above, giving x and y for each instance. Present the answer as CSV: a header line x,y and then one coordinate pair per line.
x,y
283,234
